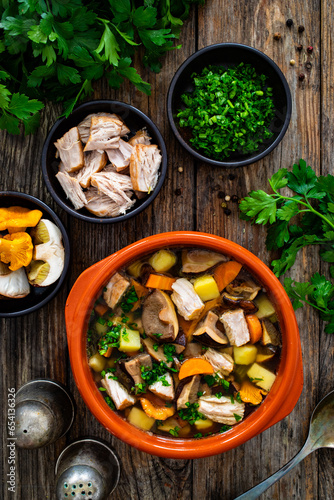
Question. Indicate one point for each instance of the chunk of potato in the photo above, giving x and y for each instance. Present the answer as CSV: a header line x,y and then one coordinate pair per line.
x,y
203,425
102,327
139,418
206,287
245,354
168,425
265,307
261,376
162,261
129,340
135,268
97,362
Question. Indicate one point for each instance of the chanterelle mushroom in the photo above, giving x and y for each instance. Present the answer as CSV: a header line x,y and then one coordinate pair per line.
x,y
159,317
208,331
49,254
16,249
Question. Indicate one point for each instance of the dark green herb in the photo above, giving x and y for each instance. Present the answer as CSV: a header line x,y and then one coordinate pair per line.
x,y
238,398
151,375
169,351
109,402
225,428
252,379
216,379
232,399
155,347
174,432
198,435
102,389
56,50
313,203
101,321
162,379
219,395
144,336
199,394
168,404
140,388
229,110
237,417
129,299
191,414
110,339
125,335
157,335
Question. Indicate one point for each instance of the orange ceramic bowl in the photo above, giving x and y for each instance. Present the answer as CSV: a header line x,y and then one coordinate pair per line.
x,y
277,405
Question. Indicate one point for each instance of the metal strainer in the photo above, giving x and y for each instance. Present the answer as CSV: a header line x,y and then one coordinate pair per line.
x,y
86,469
44,413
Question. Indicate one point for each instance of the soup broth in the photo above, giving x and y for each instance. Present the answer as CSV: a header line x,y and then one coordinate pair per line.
x,y
184,343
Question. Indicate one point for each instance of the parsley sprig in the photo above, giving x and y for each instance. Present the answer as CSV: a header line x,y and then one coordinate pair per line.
x,y
311,205
56,50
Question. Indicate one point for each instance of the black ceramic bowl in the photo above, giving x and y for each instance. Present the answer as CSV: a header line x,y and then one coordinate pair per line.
x,y
135,120
38,296
231,54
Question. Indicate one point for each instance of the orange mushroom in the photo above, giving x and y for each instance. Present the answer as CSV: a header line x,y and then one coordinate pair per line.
x,y
16,249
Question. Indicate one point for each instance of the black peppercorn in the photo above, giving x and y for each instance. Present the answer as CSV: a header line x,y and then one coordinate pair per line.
x,y
309,49
231,177
227,211
301,77
308,65
289,23
178,192
277,36
221,194
299,47
301,28
234,198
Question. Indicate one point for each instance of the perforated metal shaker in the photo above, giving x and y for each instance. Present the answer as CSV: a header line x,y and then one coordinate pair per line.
x,y
86,469
44,413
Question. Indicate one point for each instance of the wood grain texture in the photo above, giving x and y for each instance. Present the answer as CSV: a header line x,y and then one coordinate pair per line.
x,y
35,345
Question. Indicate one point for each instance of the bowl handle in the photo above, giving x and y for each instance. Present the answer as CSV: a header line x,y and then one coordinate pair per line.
x,y
76,298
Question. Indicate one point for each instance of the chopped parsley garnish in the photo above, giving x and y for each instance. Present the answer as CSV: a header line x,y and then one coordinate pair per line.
x,y
102,389
162,379
198,435
191,414
199,394
155,347
225,428
238,398
232,399
129,299
157,335
237,417
110,339
109,402
252,379
101,321
230,110
125,335
174,432
151,375
158,422
219,395
169,350
181,357
216,379
140,388
168,404
144,336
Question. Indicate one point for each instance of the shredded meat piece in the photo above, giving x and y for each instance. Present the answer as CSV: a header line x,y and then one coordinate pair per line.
x,y
117,392
84,126
140,137
95,161
115,289
161,389
120,157
188,303
236,327
221,362
104,133
221,410
70,150
102,205
116,186
144,167
72,189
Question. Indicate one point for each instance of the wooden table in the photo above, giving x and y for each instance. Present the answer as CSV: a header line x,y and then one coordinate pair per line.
x,y
35,345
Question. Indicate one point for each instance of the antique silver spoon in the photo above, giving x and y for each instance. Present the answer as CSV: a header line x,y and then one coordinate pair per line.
x,y
321,435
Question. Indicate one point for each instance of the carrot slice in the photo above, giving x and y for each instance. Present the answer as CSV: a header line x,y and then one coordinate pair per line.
x,y
189,327
101,309
254,327
156,411
108,352
195,366
161,282
225,273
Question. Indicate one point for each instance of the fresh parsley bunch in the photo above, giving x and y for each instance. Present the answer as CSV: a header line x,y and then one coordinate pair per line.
x,y
55,49
312,208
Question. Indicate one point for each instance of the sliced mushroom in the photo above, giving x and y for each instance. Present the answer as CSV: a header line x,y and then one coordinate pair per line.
x,y
197,261
247,290
234,302
13,284
158,353
269,334
159,317
189,392
193,350
208,333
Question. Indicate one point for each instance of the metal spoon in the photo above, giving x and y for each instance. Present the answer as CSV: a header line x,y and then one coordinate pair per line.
x,y
321,435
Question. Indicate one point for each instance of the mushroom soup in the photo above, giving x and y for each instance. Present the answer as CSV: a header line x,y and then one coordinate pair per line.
x,y
184,343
